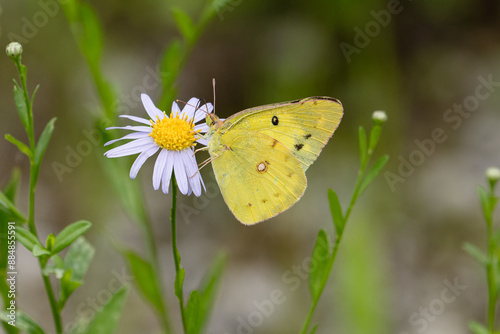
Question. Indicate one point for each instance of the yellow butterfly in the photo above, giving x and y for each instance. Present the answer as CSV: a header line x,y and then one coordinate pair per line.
x,y
260,155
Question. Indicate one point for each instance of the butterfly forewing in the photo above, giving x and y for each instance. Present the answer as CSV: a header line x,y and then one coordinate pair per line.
x,y
303,126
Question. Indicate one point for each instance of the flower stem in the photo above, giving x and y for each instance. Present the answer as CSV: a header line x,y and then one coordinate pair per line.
x,y
33,179
490,268
338,238
179,275
153,256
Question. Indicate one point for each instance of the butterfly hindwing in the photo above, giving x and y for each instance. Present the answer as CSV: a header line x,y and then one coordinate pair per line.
x,y
302,126
258,176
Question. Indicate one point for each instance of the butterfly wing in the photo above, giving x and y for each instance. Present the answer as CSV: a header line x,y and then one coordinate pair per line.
x,y
303,126
258,176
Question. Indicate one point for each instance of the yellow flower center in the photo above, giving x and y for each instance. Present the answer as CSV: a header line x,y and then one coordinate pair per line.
x,y
174,133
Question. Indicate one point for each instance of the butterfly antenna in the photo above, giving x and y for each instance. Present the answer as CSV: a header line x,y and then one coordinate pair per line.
x,y
213,85
203,164
194,106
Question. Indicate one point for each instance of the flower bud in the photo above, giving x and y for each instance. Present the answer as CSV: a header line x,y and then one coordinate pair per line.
x,y
493,175
379,117
14,50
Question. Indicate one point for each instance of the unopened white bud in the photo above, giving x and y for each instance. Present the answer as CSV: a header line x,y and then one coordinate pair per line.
x,y
14,50
493,174
379,117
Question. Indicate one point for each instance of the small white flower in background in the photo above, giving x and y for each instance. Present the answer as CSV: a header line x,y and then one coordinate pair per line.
x,y
174,136
379,117
493,174
14,50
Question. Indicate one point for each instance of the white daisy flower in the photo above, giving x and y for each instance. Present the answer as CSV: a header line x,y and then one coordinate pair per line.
x,y
174,136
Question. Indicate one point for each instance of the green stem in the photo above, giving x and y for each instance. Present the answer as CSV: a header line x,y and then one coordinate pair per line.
x,y
153,255
33,179
490,270
175,251
52,301
338,239
31,137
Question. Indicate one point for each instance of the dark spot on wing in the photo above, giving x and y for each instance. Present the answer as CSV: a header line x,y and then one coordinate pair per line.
x,y
298,147
264,201
274,143
315,102
276,195
249,204
275,120
308,136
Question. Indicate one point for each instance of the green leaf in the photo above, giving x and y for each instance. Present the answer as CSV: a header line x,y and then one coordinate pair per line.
x,y
185,25
208,290
23,322
10,209
69,234
11,188
193,317
374,136
374,171
39,250
90,34
476,253
78,258
21,106
57,269
146,279
68,285
20,145
313,330
26,238
477,328
362,145
33,95
49,243
106,320
76,264
43,141
179,282
319,264
336,210
171,60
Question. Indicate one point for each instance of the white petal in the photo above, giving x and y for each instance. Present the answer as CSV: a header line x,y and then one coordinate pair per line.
x,y
150,107
167,172
203,141
191,107
202,112
180,173
132,128
133,135
133,147
193,173
136,119
203,127
141,159
175,109
196,179
159,167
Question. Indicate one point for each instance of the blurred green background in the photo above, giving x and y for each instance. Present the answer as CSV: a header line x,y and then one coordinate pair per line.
x,y
404,240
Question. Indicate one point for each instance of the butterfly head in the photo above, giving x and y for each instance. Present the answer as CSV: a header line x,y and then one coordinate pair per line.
x,y
213,121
